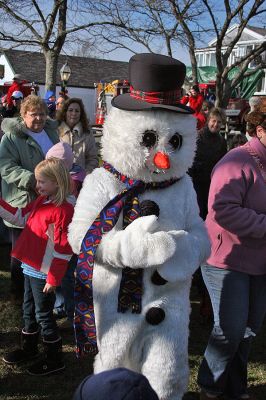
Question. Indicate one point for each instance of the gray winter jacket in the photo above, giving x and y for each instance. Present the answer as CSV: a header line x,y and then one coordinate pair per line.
x,y
19,155
83,146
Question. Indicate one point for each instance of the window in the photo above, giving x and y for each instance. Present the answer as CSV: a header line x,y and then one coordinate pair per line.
x,y
202,59
198,58
212,60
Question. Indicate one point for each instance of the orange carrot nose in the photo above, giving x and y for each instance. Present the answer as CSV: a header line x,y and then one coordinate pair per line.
x,y
161,160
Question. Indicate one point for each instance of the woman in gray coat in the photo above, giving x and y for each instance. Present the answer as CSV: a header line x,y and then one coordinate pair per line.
x,y
26,140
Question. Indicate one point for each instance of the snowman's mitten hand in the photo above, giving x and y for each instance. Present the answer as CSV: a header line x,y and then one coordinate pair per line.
x,y
143,246
137,246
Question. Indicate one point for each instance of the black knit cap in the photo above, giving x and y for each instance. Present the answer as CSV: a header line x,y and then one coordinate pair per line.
x,y
115,384
196,88
149,73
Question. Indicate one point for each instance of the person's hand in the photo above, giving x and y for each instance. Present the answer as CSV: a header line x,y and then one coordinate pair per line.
x,y
49,288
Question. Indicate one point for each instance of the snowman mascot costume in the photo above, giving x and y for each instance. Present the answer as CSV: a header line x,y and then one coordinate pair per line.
x,y
137,230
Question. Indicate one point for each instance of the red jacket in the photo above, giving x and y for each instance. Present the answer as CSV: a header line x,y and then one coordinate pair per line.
x,y
43,242
15,86
194,102
201,120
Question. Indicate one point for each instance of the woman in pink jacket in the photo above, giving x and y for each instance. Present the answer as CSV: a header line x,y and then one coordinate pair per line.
x,y
235,275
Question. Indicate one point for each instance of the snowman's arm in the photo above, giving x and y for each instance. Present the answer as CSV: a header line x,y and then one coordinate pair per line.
x,y
192,244
140,245
137,246
92,199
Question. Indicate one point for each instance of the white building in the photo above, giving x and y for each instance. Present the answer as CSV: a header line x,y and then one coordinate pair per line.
x,y
250,38
85,73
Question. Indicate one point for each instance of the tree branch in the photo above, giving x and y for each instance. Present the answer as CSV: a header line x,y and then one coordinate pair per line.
x,y
40,13
8,10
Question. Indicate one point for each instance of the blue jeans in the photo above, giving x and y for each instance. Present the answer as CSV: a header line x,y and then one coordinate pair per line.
x,y
238,302
64,303
17,278
38,309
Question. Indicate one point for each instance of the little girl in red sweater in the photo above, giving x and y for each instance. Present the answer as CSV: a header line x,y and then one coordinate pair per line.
x,y
44,251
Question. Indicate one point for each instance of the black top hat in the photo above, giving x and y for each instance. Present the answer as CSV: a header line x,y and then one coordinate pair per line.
x,y
156,83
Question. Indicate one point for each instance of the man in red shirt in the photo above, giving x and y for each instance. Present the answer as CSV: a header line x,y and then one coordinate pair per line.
x,y
17,85
194,99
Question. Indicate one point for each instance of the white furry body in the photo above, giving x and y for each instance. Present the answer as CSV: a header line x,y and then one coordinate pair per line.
x,y
175,244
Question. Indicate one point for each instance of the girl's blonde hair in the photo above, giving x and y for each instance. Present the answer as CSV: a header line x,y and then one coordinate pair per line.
x,y
55,170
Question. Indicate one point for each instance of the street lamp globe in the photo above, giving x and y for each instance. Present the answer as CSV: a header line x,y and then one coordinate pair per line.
x,y
65,72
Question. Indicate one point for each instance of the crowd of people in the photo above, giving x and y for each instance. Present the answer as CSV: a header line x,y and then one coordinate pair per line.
x,y
46,150
229,179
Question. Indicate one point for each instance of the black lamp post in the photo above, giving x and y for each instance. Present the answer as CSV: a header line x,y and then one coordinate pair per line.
x,y
65,73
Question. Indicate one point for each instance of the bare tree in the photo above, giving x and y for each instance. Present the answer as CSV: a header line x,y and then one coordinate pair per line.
x,y
150,23
32,23
241,12
166,23
188,15
157,25
219,17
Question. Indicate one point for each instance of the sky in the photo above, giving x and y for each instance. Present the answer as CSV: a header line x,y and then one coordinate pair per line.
x,y
124,55
119,54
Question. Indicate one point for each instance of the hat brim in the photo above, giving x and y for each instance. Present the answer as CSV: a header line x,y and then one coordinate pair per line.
x,y
128,103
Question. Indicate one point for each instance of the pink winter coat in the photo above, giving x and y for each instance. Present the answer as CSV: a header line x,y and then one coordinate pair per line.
x,y
236,221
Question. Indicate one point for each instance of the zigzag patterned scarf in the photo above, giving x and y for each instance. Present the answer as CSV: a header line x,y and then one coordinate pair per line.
x,y
131,283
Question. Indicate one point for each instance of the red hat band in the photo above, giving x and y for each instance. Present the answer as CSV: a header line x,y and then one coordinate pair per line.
x,y
169,97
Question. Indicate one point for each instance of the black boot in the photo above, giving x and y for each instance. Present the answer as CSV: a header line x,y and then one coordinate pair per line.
x,y
52,362
28,350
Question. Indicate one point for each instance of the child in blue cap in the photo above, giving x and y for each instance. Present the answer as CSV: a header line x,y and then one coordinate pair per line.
x,y
49,99
115,384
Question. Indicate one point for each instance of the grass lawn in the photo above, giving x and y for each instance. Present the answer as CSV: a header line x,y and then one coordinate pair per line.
x,y
15,384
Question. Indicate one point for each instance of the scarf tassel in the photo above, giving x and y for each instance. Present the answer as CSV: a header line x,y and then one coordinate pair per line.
x,y
86,349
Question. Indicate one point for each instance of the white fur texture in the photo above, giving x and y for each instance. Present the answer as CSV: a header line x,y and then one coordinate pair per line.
x,y
122,135
175,244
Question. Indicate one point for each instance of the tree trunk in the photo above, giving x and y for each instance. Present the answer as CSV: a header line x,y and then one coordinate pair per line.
x,y
194,70
51,59
223,92
227,91
219,91
168,46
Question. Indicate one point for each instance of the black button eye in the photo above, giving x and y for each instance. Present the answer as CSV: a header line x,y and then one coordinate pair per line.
x,y
149,138
176,141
